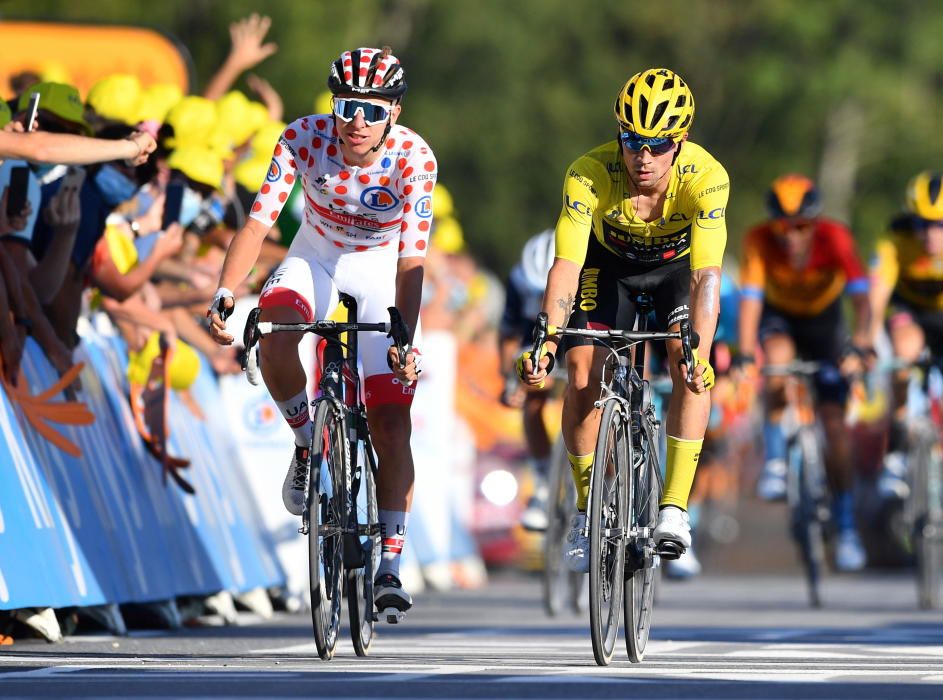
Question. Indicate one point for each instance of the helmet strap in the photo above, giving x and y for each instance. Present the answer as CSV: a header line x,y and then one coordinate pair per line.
x,y
386,132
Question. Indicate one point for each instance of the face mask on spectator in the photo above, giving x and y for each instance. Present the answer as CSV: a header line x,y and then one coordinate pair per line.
x,y
190,207
115,186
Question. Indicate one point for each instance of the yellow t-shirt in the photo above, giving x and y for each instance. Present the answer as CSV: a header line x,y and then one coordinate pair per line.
x,y
596,200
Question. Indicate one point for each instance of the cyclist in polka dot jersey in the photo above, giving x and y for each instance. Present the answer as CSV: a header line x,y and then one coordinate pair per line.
x,y
367,184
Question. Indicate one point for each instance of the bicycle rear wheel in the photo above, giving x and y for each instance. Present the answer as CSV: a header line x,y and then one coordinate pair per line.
x,y
327,512
640,567
360,580
807,505
927,516
607,520
560,505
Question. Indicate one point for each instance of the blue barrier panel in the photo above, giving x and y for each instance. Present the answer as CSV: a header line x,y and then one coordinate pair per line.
x,y
177,560
230,525
41,563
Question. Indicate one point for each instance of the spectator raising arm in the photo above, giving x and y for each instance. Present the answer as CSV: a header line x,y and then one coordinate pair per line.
x,y
68,149
246,53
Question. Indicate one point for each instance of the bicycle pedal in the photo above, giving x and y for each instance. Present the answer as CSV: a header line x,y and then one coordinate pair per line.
x,y
670,550
392,615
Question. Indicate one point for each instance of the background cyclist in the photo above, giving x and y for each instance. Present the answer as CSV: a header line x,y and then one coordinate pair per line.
x,y
794,270
368,188
524,293
642,213
907,288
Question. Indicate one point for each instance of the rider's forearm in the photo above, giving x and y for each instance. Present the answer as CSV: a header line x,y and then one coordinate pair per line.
x,y
560,295
242,254
409,274
862,308
705,306
749,324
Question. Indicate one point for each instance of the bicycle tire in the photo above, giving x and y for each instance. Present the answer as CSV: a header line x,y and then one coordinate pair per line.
x,y
927,544
327,511
639,593
360,580
808,513
560,505
607,519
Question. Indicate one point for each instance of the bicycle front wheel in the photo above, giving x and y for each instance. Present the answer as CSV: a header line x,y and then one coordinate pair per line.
x,y
607,520
927,519
360,580
808,511
640,571
327,513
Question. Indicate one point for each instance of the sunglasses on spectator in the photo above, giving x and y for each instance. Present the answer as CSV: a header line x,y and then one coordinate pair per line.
x,y
373,114
635,142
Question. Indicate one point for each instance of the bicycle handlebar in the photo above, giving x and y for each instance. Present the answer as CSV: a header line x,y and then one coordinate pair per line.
x,y
397,329
687,335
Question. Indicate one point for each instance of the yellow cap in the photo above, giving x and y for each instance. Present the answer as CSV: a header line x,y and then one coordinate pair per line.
x,y
60,100
199,163
323,103
258,115
442,204
447,236
263,143
156,101
116,97
250,173
54,72
236,118
192,118
184,364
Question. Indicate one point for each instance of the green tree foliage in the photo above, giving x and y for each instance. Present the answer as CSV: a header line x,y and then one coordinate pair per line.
x,y
509,92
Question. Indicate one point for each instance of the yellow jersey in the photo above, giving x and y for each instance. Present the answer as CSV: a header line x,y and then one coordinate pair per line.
x,y
596,199
903,264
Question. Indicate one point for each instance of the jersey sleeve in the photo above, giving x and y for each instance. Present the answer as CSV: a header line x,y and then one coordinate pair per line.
x,y
281,176
580,199
417,189
886,266
709,232
752,267
849,261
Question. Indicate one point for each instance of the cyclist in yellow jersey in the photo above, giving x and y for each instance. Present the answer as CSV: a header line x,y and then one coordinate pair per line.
x,y
641,214
907,290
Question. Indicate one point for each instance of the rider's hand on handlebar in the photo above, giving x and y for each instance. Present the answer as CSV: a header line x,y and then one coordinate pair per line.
x,y
525,368
220,309
856,359
703,378
410,372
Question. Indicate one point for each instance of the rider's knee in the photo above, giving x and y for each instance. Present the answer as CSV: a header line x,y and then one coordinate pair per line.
x,y
390,424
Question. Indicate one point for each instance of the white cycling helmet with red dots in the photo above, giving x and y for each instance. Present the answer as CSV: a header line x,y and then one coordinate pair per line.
x,y
368,72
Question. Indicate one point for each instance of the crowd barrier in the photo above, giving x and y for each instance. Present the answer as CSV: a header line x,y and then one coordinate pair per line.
x,y
101,526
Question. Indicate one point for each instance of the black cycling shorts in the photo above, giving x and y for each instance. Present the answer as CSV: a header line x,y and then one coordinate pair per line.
x,y
609,288
820,338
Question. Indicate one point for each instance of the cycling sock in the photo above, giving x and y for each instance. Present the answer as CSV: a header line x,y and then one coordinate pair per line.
x,y
843,511
581,467
774,441
296,413
679,471
392,537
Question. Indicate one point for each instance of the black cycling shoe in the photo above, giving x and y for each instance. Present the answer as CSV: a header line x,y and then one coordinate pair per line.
x,y
390,599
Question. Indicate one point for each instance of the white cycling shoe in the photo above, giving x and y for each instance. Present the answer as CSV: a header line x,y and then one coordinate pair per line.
x,y
849,552
390,599
293,488
672,533
576,550
772,483
892,482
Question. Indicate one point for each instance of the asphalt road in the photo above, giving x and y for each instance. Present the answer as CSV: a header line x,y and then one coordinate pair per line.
x,y
713,638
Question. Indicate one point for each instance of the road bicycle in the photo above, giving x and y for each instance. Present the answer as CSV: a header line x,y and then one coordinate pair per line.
x,y
806,489
923,508
340,517
625,483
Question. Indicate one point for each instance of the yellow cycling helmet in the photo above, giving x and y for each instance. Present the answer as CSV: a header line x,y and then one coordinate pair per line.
x,y
655,103
925,195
